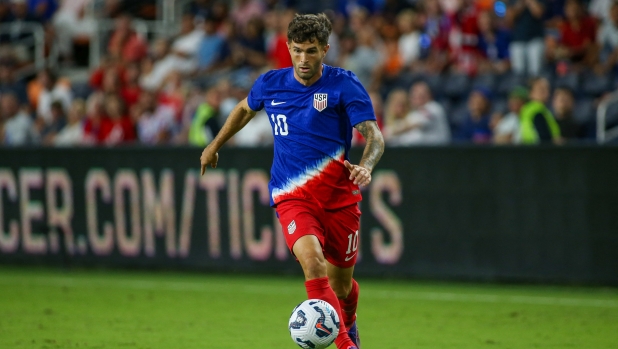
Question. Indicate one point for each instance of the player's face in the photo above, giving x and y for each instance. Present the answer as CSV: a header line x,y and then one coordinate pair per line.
x,y
307,59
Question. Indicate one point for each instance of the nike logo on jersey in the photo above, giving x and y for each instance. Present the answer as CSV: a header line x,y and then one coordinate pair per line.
x,y
350,257
276,103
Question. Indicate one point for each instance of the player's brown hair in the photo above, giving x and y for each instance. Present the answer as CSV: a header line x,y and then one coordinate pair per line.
x,y
309,27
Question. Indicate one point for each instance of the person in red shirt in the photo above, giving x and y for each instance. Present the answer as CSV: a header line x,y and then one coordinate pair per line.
x,y
96,121
125,43
577,37
119,129
131,89
278,52
464,37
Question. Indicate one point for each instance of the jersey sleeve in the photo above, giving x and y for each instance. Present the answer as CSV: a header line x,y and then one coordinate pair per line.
x,y
255,99
356,101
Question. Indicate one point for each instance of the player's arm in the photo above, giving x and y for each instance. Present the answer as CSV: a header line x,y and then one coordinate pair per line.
x,y
238,118
374,147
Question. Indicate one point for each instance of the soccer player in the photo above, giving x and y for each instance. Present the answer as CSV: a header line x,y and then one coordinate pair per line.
x,y
314,188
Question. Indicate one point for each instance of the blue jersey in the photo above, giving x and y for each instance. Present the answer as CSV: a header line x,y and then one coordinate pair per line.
x,y
312,128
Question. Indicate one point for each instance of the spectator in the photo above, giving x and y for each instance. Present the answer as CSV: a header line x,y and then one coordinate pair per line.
x,y
600,9
96,121
120,128
397,108
8,83
562,105
58,121
180,56
72,21
212,50
506,130
608,40
107,63
18,126
42,10
278,49
250,49
156,122
184,46
73,133
463,38
361,57
577,37
131,89
51,90
243,11
493,44
527,48
476,127
155,67
125,44
390,69
537,124
204,126
426,124
20,36
435,41
173,93
409,46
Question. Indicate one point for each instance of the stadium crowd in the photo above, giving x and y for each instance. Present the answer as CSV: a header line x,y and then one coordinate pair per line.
x,y
438,71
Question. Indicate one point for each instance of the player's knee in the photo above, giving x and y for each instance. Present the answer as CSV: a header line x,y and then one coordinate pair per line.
x,y
313,266
342,288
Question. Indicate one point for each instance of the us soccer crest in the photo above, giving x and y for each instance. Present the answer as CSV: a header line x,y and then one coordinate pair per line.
x,y
319,101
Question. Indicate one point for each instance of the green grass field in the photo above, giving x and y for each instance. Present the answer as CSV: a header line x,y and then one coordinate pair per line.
x,y
93,309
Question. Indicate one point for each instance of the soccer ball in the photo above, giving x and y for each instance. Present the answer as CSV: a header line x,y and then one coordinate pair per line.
x,y
314,324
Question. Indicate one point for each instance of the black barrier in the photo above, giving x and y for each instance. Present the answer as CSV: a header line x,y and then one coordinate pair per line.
x,y
535,214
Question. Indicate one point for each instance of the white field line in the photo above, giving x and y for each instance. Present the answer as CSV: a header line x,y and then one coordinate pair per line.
x,y
183,286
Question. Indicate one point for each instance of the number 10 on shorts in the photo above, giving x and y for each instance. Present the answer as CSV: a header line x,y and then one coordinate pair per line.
x,y
352,243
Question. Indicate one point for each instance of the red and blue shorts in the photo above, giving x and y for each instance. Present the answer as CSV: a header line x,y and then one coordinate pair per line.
x,y
337,230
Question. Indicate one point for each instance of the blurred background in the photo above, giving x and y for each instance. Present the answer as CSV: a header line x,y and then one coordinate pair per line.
x,y
106,104
114,72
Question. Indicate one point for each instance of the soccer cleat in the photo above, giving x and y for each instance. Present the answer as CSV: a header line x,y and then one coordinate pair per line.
x,y
353,333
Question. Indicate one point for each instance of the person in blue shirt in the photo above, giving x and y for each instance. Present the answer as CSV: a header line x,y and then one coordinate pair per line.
x,y
314,188
476,127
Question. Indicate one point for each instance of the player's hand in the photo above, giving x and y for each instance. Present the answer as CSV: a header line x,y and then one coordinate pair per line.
x,y
209,157
359,174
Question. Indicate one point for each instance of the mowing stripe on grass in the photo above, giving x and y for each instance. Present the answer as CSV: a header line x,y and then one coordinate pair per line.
x,y
275,290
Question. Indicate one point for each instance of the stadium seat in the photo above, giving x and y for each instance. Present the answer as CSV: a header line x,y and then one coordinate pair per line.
x,y
611,118
485,80
499,105
447,105
584,111
508,81
570,81
458,114
594,85
456,85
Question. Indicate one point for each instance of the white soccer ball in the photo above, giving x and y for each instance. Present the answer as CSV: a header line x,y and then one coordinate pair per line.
x,y
314,324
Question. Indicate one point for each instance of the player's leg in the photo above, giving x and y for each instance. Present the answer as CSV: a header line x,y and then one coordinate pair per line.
x,y
341,251
308,251
304,236
347,291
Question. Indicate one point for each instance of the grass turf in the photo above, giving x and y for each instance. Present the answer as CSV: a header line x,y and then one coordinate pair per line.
x,y
94,309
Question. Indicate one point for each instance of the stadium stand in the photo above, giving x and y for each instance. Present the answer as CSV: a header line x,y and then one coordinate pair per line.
x,y
179,52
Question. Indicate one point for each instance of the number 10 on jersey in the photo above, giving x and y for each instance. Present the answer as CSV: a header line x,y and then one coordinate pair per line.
x,y
280,124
